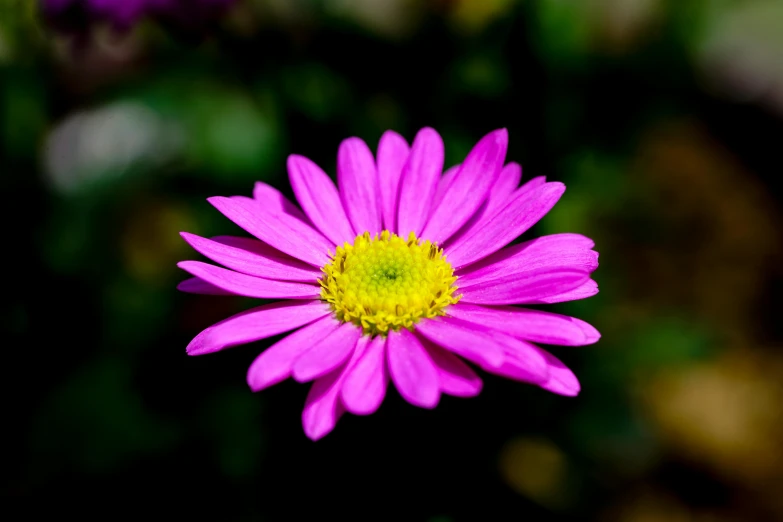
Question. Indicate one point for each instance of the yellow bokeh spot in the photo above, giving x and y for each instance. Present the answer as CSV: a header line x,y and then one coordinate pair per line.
x,y
384,282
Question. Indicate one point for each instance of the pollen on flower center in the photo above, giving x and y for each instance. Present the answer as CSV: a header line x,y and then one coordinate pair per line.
x,y
386,283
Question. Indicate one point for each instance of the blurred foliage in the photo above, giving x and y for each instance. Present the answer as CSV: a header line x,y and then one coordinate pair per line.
x,y
662,118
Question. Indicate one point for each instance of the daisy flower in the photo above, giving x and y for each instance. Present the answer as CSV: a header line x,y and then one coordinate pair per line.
x,y
400,274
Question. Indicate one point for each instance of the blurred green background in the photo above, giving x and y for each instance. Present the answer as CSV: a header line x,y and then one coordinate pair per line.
x,y
663,117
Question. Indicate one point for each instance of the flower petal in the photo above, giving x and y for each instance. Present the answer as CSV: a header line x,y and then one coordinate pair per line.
x,y
327,354
520,213
274,201
444,183
469,188
547,251
497,198
358,181
518,260
419,181
252,257
274,364
538,252
532,325
249,286
393,153
196,285
323,407
319,198
282,231
588,289
257,323
504,188
454,376
463,339
365,384
506,184
532,184
564,241
524,287
523,361
561,380
412,370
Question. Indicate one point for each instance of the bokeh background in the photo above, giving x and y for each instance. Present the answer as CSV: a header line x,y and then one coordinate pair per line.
x,y
663,117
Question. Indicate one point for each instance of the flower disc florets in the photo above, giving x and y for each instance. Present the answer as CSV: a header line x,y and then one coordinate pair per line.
x,y
385,283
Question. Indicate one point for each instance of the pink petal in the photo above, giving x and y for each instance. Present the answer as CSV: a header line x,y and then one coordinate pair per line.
x,y
365,385
412,370
393,152
358,181
323,407
282,231
274,364
444,183
319,198
496,199
463,339
511,369
419,181
249,286
454,376
257,323
275,202
532,184
588,289
195,285
327,354
520,213
551,250
252,257
566,241
532,325
503,188
470,187
523,361
561,380
524,258
524,287
507,183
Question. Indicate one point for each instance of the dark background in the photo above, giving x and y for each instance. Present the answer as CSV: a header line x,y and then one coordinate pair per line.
x,y
663,118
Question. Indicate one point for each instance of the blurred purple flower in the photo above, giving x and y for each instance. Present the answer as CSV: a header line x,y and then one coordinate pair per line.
x,y
124,13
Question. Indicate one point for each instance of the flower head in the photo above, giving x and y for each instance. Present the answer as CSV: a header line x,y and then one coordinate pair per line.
x,y
397,276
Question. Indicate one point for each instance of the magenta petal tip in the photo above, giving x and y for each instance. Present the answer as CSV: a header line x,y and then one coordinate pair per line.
x,y
591,334
568,387
499,136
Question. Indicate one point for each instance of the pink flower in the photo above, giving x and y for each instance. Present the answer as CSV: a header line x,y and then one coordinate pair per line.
x,y
371,305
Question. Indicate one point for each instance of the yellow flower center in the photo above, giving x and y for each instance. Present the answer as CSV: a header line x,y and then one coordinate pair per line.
x,y
385,283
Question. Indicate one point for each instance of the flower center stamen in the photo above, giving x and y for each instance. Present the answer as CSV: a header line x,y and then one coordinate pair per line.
x,y
384,283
